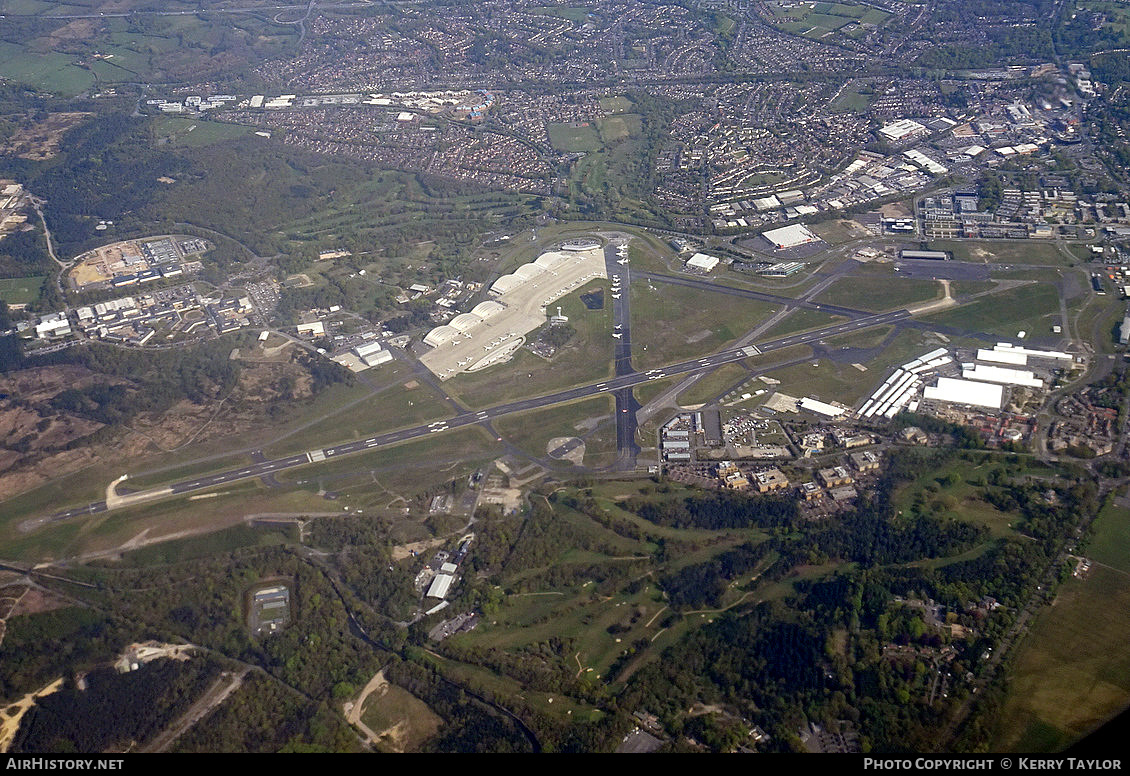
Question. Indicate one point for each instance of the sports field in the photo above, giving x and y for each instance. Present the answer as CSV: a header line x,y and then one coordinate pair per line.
x,y
21,290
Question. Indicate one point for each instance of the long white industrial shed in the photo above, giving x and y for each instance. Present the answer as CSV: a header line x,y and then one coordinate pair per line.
x,y
1002,357
998,374
1057,355
954,391
819,407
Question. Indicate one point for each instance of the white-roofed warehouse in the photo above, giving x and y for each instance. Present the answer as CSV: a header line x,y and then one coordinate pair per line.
x,y
440,585
969,392
790,236
703,262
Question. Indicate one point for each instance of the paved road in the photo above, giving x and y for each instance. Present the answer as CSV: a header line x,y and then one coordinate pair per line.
x,y
612,385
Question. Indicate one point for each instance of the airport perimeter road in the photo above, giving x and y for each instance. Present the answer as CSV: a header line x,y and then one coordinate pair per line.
x,y
761,296
616,265
612,385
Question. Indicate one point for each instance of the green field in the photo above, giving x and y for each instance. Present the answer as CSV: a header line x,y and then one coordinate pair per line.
x,y
531,431
404,720
839,231
645,392
572,139
674,323
574,13
868,338
616,128
850,101
175,473
220,508
582,614
1032,309
879,290
823,380
815,20
175,48
50,71
564,708
1111,542
1005,252
802,320
1072,672
708,387
954,492
619,104
226,540
177,131
1098,321
21,290
392,408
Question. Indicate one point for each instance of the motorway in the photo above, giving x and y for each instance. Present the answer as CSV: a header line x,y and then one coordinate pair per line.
x,y
613,385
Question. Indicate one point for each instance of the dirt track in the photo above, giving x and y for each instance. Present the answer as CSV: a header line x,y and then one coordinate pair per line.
x,y
224,686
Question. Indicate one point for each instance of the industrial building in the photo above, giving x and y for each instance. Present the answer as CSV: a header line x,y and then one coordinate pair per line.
x,y
820,408
441,583
999,374
789,236
834,477
494,330
925,162
783,270
900,388
372,354
902,130
975,394
770,480
53,325
702,262
930,255
461,324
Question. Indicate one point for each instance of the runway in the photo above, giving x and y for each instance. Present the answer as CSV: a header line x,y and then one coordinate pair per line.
x,y
618,385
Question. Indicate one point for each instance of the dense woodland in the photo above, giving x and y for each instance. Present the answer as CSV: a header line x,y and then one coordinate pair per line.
x,y
112,710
